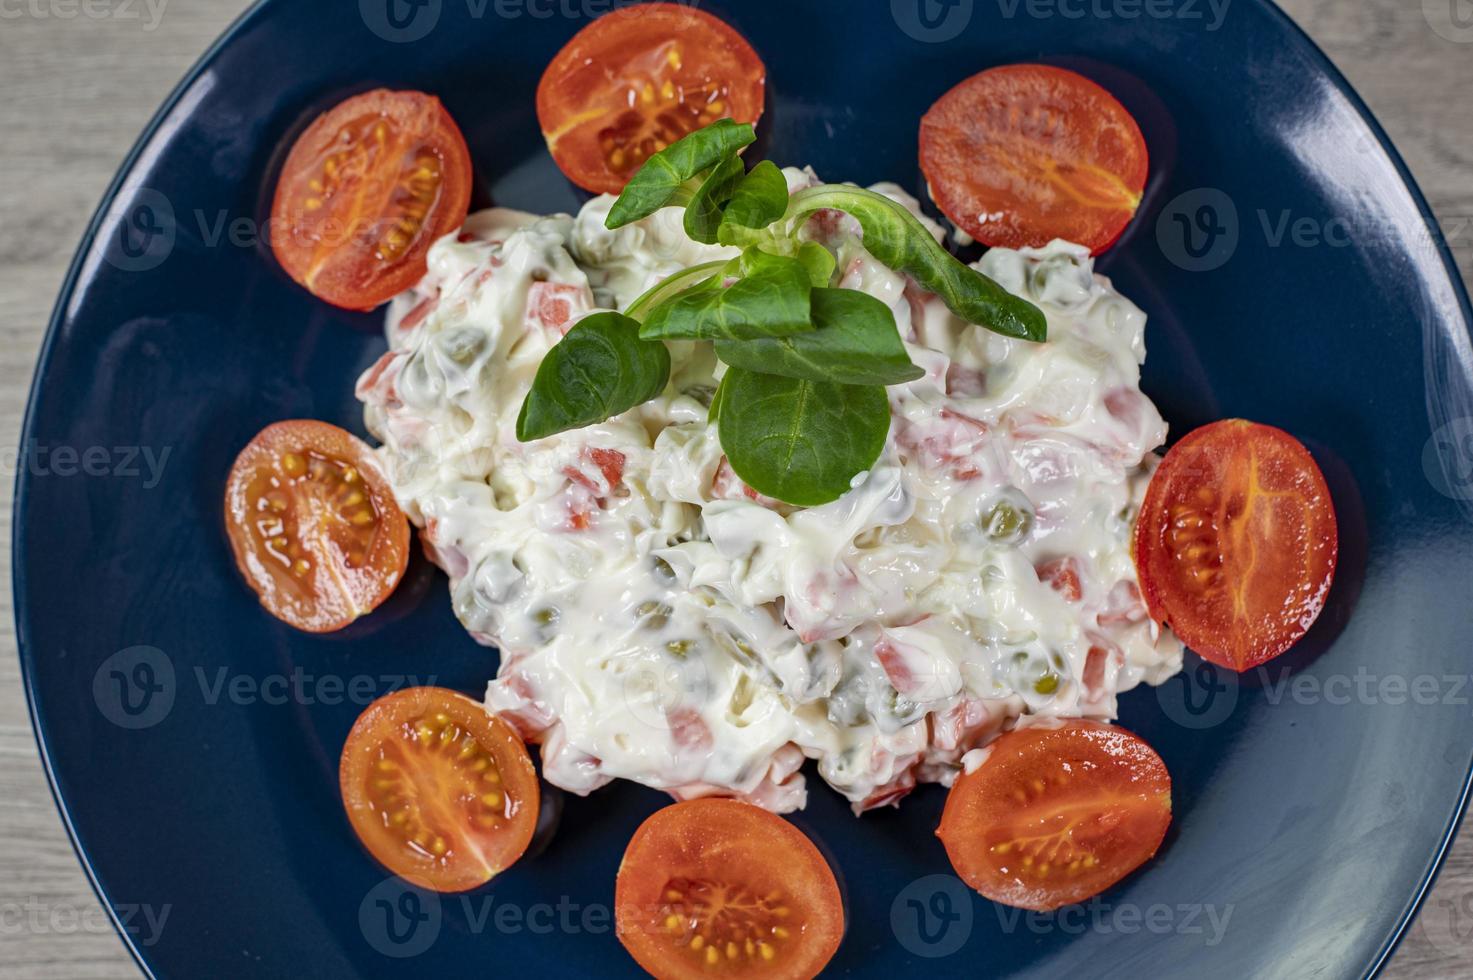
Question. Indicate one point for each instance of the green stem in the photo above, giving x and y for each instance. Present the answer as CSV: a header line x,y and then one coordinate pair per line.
x,y
897,239
672,285
834,196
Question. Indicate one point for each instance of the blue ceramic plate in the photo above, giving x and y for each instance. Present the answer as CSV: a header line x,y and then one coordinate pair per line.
x,y
1291,277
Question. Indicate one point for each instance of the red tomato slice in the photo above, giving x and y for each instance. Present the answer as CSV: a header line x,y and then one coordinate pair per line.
x,y
440,791
1236,542
638,79
1054,816
365,192
314,526
1023,154
721,888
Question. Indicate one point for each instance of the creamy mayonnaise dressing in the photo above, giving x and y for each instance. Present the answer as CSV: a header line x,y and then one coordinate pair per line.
x,y
660,621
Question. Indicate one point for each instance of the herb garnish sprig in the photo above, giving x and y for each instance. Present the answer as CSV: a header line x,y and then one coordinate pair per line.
x,y
801,410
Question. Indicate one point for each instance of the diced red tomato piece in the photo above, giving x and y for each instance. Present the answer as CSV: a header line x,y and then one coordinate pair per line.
x,y
1062,575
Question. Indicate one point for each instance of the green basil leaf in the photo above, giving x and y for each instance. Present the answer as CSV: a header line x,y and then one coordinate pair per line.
x,y
703,215
660,179
600,369
759,200
770,300
755,261
819,262
802,442
894,236
855,343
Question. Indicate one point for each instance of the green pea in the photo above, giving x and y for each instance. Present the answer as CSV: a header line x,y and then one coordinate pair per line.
x,y
664,574
463,346
901,708
1042,673
546,619
1007,523
653,615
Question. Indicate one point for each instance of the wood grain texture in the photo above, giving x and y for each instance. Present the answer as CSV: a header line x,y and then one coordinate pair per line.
x,y
76,93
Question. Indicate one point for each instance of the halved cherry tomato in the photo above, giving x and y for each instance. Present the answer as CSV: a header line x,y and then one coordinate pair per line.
x,y
314,525
1236,542
638,79
1053,816
717,887
1023,154
440,791
365,192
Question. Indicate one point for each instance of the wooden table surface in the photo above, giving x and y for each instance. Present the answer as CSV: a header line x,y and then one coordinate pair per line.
x,y
75,91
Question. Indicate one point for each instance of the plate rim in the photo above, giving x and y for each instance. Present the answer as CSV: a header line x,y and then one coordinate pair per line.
x,y
20,494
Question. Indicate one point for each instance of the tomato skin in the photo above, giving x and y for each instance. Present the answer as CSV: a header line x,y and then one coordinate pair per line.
x,y
1020,155
349,565
1096,796
475,840
719,887
354,214
637,79
1236,542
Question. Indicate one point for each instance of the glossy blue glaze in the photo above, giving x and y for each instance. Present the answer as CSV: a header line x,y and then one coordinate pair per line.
x,y
1312,826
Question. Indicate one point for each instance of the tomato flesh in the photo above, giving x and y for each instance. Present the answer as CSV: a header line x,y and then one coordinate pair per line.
x,y
718,887
1054,816
365,192
1236,542
638,79
440,791
314,525
1022,154
1062,575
